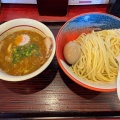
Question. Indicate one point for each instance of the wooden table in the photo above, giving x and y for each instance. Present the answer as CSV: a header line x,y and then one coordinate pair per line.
x,y
52,94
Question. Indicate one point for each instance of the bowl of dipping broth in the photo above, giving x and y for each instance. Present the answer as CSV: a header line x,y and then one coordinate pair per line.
x,y
86,50
27,47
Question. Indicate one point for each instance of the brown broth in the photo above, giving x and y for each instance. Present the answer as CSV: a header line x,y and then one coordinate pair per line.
x,y
28,64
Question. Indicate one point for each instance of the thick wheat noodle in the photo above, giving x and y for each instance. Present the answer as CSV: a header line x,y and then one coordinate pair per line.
x,y
98,56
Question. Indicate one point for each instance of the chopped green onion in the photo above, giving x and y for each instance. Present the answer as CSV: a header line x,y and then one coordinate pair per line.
x,y
27,50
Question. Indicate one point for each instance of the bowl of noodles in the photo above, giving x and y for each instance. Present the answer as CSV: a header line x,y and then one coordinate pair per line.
x,y
86,50
27,47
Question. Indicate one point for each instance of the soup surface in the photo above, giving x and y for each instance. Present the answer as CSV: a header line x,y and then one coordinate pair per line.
x,y
22,52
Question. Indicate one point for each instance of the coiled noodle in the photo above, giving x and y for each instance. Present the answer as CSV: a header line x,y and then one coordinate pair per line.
x,y
98,56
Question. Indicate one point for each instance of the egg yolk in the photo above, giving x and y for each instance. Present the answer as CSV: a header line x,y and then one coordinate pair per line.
x,y
18,40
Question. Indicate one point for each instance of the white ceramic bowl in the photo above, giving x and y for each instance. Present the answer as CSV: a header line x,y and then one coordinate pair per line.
x,y
16,24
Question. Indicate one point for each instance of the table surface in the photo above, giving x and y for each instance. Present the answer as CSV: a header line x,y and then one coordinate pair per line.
x,y
52,94
12,11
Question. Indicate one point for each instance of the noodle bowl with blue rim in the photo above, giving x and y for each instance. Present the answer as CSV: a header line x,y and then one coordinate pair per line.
x,y
76,29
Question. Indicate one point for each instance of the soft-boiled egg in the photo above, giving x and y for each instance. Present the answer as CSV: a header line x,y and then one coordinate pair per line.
x,y
71,52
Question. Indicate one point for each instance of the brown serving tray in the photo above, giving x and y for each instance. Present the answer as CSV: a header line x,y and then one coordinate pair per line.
x,y
52,94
